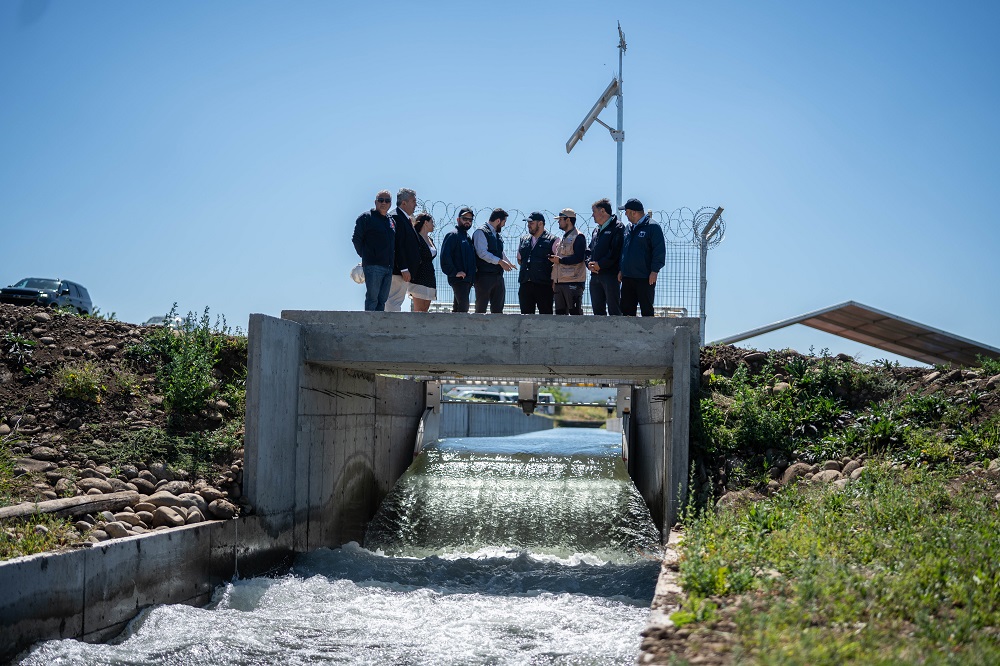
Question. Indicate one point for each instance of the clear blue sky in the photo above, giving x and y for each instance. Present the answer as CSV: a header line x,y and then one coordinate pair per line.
x,y
217,153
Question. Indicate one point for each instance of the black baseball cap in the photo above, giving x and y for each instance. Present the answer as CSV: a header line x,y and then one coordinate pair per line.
x,y
632,204
465,209
535,217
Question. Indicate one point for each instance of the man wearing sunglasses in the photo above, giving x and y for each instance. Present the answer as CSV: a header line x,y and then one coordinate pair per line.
x,y
375,242
407,249
458,260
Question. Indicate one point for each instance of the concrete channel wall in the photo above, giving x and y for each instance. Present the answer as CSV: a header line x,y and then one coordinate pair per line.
x,y
93,593
659,434
489,421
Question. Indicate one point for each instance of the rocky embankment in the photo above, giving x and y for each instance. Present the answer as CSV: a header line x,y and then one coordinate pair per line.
x,y
85,434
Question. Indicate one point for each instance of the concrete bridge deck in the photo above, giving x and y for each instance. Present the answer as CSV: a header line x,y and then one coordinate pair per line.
x,y
514,346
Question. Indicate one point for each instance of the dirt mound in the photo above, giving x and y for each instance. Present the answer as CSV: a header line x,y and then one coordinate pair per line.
x,y
84,398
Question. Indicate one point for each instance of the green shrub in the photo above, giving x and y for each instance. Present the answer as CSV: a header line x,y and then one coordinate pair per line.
x,y
81,381
16,349
185,361
990,366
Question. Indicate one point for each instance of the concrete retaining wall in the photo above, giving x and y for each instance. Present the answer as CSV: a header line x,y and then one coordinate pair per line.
x,y
93,593
660,432
489,421
324,445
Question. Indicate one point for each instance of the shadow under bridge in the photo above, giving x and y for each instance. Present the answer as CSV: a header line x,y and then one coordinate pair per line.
x,y
336,401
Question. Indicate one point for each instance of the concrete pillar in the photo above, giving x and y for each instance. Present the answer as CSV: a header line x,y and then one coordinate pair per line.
x,y
274,361
675,472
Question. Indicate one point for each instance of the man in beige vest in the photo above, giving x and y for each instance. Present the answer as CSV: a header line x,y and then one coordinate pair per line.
x,y
569,273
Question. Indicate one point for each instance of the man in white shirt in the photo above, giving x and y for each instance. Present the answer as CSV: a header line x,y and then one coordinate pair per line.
x,y
491,263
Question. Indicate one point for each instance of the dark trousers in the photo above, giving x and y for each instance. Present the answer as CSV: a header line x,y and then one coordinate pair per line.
x,y
490,290
605,293
461,302
637,291
569,298
535,294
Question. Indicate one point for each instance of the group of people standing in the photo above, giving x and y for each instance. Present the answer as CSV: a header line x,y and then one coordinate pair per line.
x,y
397,255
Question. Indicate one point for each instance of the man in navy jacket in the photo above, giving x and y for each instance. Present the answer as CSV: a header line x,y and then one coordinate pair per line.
x,y
375,242
643,255
458,260
605,257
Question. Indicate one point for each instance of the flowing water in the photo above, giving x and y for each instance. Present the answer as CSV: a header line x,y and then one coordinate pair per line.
x,y
534,549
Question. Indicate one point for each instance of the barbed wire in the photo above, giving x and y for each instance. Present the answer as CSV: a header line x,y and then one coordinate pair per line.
x,y
678,293
680,227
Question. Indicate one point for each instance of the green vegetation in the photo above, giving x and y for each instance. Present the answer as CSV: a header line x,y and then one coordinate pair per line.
x,y
193,452
815,409
990,366
16,348
38,534
187,359
81,381
899,566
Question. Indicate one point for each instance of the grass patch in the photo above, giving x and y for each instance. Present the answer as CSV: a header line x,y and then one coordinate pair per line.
x,y
898,567
194,452
21,538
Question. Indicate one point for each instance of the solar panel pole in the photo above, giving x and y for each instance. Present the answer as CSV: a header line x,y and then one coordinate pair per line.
x,y
619,134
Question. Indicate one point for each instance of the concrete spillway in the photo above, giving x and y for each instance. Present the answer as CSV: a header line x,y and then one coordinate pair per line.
x,y
529,552
327,437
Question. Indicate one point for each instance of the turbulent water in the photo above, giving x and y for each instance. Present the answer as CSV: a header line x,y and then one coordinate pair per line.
x,y
534,549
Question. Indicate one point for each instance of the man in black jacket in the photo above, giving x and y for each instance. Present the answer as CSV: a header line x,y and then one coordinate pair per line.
x,y
605,256
375,242
458,259
535,276
407,249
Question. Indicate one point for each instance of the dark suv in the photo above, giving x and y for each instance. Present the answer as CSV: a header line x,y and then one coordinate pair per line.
x,y
53,293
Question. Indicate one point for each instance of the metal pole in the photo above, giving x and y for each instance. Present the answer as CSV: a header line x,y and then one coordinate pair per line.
x,y
620,137
703,240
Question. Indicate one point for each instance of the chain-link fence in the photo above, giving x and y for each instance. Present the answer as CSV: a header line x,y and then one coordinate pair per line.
x,y
680,289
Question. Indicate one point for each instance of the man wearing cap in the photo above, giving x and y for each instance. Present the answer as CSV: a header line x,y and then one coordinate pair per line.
x,y
458,260
643,255
568,271
605,256
407,249
535,276
375,242
491,263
